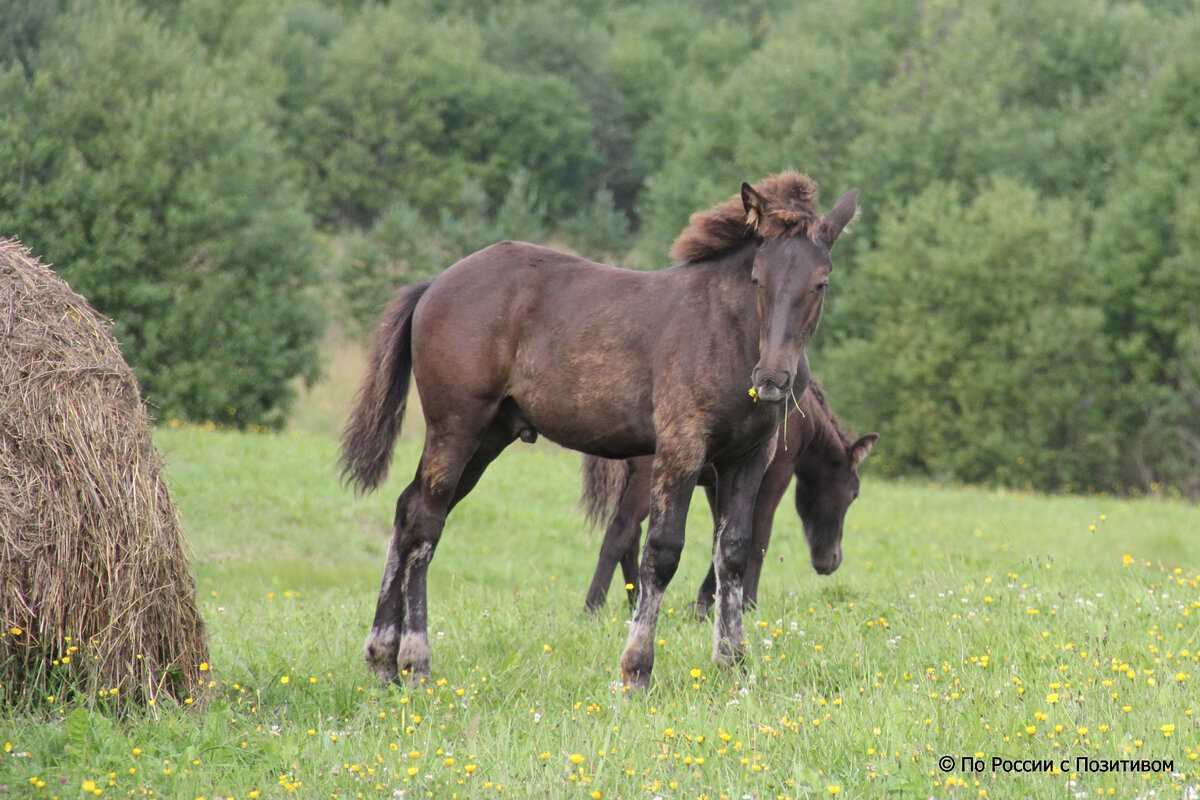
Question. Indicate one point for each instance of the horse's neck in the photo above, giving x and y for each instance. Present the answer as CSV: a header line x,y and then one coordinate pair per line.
x,y
725,284
815,434
729,271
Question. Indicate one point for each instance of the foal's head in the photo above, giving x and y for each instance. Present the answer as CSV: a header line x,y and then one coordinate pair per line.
x,y
791,271
827,483
778,217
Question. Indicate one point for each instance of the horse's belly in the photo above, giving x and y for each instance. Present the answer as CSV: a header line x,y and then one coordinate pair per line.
x,y
597,419
612,444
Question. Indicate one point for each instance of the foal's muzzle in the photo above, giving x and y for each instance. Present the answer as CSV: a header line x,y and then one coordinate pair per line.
x,y
828,563
771,384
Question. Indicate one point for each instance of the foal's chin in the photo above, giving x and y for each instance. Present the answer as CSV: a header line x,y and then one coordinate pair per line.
x,y
826,566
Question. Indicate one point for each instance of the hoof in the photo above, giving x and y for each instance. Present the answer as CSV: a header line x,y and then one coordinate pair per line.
x,y
726,655
413,658
379,651
636,666
635,681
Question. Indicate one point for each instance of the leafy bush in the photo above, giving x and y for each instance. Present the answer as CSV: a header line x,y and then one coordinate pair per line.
x,y
600,231
25,24
410,111
1146,247
403,247
980,357
160,194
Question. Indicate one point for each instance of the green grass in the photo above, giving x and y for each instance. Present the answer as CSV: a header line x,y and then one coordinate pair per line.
x,y
858,681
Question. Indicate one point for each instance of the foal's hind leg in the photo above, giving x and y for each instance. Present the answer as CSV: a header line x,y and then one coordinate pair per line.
x,y
383,642
621,539
629,568
708,587
774,486
414,655
450,466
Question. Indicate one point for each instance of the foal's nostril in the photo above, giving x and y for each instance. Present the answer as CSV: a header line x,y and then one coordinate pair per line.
x,y
778,380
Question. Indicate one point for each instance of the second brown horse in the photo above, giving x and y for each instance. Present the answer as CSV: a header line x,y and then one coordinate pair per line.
x,y
813,448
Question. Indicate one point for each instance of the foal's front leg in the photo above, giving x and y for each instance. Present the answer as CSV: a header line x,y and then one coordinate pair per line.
x,y
737,487
664,543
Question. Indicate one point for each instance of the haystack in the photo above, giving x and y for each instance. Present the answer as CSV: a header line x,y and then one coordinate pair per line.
x,y
95,592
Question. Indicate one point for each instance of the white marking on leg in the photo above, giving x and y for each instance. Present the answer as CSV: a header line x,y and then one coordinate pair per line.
x,y
380,651
421,551
639,647
641,628
382,638
414,649
727,627
414,652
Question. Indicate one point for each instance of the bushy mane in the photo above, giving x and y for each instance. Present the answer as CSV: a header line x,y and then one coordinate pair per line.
x,y
791,210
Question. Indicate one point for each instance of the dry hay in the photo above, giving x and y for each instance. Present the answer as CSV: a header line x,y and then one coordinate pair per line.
x,y
95,592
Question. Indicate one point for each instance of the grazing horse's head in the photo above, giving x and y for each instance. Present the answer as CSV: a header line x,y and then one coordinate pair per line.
x,y
791,271
826,485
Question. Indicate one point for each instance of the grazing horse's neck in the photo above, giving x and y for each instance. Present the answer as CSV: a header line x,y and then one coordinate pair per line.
x,y
819,432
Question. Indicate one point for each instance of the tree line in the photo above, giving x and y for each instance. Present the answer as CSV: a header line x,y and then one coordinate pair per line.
x,y
1018,304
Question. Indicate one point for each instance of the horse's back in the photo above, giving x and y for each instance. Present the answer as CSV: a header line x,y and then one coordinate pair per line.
x,y
566,338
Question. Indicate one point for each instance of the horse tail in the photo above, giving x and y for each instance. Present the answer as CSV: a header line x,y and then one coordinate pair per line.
x,y
374,424
604,481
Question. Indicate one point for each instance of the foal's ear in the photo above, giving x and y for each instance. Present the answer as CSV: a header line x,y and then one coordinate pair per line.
x,y
862,448
755,205
836,220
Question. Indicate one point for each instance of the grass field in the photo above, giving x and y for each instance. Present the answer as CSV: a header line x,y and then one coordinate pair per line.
x,y
964,623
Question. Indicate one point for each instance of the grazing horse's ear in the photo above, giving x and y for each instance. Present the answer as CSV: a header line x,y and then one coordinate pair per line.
x,y
755,205
862,448
836,220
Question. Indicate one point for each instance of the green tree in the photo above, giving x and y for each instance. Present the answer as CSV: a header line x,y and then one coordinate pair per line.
x,y
990,89
410,110
979,358
601,231
794,101
562,40
403,246
160,194
25,24
1147,247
